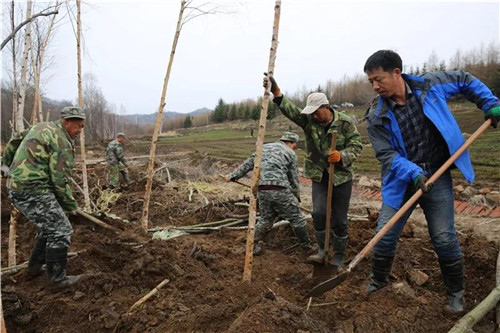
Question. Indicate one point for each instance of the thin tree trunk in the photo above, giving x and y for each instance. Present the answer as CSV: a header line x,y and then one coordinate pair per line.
x,y
24,70
156,132
39,68
14,217
15,94
19,127
34,114
498,305
247,272
468,321
80,103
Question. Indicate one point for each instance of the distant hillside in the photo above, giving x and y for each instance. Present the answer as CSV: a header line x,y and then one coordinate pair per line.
x,y
150,118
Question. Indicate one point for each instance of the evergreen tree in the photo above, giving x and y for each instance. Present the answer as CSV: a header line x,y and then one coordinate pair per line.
x,y
188,122
220,112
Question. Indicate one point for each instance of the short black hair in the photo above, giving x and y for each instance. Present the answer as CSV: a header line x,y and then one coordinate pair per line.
x,y
387,59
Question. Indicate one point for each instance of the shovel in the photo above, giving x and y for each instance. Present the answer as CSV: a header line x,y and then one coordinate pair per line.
x,y
338,279
320,270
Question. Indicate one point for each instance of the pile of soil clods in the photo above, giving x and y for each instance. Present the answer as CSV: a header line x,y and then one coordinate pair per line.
x,y
205,292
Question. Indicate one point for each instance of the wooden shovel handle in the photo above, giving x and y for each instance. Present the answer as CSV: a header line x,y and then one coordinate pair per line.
x,y
329,199
417,195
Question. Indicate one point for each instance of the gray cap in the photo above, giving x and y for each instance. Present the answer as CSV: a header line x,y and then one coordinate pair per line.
x,y
289,136
121,134
314,101
73,112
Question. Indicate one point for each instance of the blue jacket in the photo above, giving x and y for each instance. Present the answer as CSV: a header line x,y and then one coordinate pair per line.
x,y
432,90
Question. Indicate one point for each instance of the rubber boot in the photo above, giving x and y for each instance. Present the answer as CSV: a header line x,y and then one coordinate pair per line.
x,y
56,268
303,237
126,179
37,258
320,256
379,277
453,276
339,247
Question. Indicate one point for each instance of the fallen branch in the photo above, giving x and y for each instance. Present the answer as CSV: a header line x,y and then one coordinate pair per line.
x,y
148,296
324,304
470,319
144,299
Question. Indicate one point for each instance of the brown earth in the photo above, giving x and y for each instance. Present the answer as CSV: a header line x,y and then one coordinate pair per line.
x,y
206,292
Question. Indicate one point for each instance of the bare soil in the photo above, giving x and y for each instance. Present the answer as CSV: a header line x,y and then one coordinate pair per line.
x,y
206,292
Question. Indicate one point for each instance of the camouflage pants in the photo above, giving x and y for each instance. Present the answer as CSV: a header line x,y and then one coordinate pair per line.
x,y
48,216
278,203
114,174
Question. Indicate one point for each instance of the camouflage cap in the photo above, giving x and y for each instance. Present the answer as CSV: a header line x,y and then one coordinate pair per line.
x,y
121,135
73,112
289,136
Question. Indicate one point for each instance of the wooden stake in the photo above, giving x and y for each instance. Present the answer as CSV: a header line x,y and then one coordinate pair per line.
x,y
86,195
247,272
159,117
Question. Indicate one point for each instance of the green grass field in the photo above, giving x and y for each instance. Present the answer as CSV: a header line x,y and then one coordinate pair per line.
x,y
237,144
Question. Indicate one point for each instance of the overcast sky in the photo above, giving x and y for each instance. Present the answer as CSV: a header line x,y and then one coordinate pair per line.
x,y
127,46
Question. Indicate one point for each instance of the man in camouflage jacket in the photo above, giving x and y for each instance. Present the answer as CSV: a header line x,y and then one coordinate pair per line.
x,y
278,189
39,187
319,121
116,161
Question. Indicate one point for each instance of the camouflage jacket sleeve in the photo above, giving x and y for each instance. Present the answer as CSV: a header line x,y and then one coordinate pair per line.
x,y
244,168
293,177
291,111
61,162
11,148
353,144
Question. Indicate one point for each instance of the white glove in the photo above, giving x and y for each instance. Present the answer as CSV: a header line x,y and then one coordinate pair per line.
x,y
5,170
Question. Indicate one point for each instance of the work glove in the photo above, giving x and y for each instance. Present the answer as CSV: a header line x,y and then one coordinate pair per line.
x,y
494,115
419,183
5,170
275,90
334,156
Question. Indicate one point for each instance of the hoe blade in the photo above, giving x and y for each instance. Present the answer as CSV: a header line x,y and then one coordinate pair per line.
x,y
327,285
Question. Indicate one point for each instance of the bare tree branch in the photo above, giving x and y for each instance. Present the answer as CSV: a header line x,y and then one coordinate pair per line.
x,y
13,33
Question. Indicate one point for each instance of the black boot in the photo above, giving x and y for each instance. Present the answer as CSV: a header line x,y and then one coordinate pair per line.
x,y
453,276
320,256
303,237
339,247
56,268
37,258
379,277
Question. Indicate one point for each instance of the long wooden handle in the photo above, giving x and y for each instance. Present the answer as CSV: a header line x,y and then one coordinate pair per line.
x,y
417,195
96,220
329,199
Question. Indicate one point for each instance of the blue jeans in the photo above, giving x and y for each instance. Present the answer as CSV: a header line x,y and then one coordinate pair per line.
x,y
438,207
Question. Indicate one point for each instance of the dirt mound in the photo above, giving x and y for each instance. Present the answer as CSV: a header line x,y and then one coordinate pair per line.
x,y
205,292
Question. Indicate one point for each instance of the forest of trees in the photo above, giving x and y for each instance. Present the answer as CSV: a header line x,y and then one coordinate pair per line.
x,y
26,64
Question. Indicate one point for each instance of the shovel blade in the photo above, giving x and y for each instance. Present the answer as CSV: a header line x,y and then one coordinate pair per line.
x,y
327,285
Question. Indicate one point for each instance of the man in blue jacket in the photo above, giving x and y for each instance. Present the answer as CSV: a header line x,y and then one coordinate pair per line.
x,y
413,132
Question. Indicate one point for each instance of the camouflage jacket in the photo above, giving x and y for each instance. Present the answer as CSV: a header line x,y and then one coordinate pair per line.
x,y
44,162
278,167
318,142
11,148
114,153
